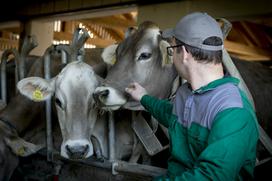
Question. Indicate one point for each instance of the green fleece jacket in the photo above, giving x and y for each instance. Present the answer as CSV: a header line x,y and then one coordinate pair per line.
x,y
213,132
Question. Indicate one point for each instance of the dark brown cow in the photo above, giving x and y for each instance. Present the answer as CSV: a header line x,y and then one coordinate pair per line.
x,y
16,118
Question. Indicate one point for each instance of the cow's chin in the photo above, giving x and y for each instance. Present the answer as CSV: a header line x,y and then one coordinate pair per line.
x,y
111,107
131,105
134,106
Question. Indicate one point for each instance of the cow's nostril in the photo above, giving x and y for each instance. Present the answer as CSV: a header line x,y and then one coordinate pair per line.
x,y
104,93
68,149
101,95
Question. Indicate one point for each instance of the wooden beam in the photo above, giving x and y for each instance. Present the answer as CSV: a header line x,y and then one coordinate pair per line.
x,y
98,42
128,16
117,34
91,28
240,35
254,57
242,49
110,22
251,34
94,41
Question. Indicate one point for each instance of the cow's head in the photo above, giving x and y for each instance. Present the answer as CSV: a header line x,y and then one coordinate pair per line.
x,y
12,146
73,89
141,57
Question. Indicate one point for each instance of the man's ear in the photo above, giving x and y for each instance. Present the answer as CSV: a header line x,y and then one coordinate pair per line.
x,y
166,59
185,53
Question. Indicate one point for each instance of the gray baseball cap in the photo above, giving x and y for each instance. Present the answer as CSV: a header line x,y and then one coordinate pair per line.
x,y
194,28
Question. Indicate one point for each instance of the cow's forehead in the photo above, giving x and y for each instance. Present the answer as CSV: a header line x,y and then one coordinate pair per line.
x,y
145,38
153,34
76,75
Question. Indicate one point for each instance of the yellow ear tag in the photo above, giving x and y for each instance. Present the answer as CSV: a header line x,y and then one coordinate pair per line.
x,y
37,95
113,61
21,151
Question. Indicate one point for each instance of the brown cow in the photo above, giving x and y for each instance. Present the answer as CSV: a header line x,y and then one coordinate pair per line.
x,y
141,57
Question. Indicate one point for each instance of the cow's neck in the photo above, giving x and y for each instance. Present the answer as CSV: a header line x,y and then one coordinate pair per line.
x,y
21,113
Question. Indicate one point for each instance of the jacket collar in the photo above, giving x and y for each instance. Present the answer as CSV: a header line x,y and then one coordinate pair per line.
x,y
214,84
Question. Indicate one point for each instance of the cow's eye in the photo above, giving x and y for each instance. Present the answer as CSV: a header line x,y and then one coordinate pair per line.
x,y
58,103
144,56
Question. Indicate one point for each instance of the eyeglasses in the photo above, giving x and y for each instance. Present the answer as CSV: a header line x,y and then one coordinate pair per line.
x,y
170,49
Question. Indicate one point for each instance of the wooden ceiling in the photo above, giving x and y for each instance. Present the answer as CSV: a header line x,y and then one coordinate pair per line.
x,y
247,40
250,41
106,30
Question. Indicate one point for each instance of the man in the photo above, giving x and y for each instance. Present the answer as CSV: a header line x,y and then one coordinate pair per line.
x,y
212,126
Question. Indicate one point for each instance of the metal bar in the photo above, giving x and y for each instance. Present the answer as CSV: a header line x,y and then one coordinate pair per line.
x,y
111,136
119,166
4,73
226,27
65,50
4,77
144,170
18,69
75,37
30,42
77,45
64,57
265,139
49,141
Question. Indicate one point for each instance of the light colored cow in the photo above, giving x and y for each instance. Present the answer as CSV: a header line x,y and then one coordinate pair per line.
x,y
141,57
73,89
84,130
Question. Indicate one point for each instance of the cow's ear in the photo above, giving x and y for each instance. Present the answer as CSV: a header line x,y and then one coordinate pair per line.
x,y
109,55
21,147
130,31
36,88
166,59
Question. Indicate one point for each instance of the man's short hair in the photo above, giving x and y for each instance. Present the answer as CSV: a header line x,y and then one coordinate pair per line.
x,y
204,56
201,34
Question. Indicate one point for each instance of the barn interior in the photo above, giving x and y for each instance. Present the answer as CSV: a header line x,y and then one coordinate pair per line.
x,y
54,22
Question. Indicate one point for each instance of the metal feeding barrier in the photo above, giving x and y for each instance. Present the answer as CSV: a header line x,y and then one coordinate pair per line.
x,y
29,43
140,126
4,60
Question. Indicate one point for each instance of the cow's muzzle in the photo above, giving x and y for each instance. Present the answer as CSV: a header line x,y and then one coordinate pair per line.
x,y
77,149
99,96
109,98
77,152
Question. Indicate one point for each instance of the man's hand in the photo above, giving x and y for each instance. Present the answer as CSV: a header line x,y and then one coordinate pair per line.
x,y
136,91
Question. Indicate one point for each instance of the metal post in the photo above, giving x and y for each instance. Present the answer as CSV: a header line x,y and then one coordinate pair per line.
x,y
49,141
145,170
77,44
111,136
63,57
4,73
4,78
29,43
